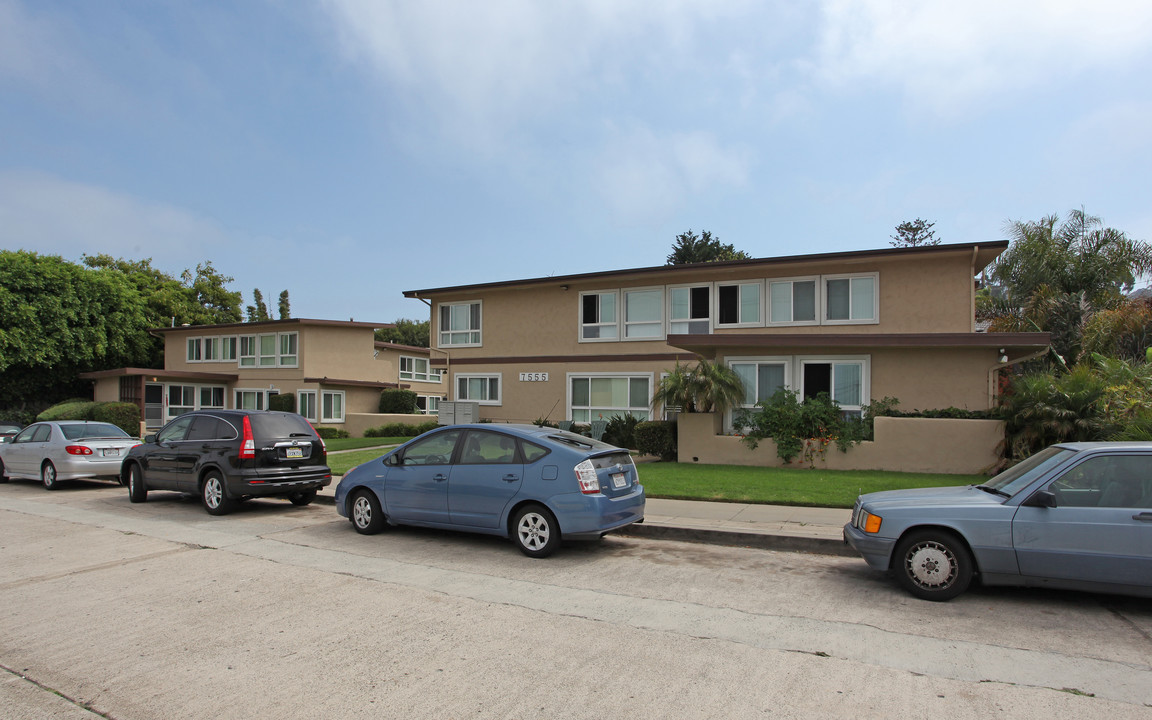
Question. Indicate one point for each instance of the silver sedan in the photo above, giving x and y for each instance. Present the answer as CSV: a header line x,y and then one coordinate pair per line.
x,y
65,450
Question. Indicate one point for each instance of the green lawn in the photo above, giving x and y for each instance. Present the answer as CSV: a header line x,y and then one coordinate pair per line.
x,y
780,486
343,462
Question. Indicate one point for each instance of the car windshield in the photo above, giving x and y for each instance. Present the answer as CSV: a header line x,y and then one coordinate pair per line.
x,y
1021,475
92,430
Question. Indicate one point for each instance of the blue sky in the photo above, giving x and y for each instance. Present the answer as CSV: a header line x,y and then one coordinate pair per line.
x,y
348,150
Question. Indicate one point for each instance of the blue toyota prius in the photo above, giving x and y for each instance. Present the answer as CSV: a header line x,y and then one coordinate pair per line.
x,y
536,485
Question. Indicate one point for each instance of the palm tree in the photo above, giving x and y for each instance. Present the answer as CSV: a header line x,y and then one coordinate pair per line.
x,y
707,387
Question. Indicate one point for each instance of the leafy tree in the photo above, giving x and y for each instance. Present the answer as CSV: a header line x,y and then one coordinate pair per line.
x,y
285,306
1124,331
199,299
692,248
258,311
57,319
707,387
212,303
1056,276
406,332
915,233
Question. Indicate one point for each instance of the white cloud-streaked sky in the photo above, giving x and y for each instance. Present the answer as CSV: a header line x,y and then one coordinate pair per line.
x,y
348,150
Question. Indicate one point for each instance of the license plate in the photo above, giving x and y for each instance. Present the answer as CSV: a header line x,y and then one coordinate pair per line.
x,y
294,453
619,481
110,452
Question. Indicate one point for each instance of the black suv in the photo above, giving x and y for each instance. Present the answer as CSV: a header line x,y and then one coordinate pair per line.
x,y
225,456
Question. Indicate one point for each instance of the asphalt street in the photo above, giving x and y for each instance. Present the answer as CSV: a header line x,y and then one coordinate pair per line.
x,y
160,611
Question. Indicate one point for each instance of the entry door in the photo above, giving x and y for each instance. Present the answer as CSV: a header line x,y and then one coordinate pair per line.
x,y
153,406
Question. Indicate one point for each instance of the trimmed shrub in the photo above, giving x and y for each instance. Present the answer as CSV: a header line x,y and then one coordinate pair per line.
x,y
401,429
69,410
656,437
123,415
331,433
396,401
284,402
621,431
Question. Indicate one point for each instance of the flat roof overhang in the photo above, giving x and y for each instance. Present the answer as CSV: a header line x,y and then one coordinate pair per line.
x,y
351,383
1013,343
156,373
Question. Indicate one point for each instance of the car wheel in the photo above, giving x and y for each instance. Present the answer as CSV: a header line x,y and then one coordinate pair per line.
x,y
212,494
933,565
366,514
137,490
301,499
535,531
3,477
48,475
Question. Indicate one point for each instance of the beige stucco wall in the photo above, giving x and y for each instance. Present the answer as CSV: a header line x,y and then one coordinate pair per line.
x,y
901,445
357,423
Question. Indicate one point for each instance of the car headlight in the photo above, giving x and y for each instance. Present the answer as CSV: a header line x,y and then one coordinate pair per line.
x,y
868,522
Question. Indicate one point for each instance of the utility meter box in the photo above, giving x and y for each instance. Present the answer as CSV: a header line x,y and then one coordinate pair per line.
x,y
458,412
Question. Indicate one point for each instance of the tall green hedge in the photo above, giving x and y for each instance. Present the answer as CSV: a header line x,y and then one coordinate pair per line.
x,y
397,401
284,402
656,437
125,416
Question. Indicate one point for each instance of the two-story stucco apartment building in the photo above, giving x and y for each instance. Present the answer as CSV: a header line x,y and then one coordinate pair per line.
x,y
896,322
335,369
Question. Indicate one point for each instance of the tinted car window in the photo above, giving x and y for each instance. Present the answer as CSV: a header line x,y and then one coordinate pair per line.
x,y
434,450
25,436
92,430
175,430
205,427
485,448
532,452
42,433
280,425
1112,481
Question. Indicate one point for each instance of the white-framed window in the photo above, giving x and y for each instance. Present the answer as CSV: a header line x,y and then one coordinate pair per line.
x,y
331,406
851,299
306,404
181,399
266,355
739,304
417,368
762,377
428,404
846,379
643,314
211,397
460,324
195,349
247,351
793,301
482,388
289,349
211,349
228,349
599,319
601,396
249,399
689,310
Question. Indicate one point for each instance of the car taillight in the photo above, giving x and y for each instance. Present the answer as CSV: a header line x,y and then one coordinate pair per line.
x,y
78,450
586,476
248,446
322,445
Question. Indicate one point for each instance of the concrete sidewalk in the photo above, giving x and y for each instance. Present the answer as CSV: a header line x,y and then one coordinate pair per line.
x,y
771,527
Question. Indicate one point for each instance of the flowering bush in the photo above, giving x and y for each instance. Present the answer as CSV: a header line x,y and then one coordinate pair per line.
x,y
800,428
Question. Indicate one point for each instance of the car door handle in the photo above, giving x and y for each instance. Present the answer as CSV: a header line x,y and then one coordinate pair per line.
x,y
1143,517
439,477
511,478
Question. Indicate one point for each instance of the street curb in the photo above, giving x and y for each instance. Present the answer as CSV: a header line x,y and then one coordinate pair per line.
x,y
762,541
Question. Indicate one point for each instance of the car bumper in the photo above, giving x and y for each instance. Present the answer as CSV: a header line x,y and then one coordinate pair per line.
x,y
876,551
590,516
77,467
257,485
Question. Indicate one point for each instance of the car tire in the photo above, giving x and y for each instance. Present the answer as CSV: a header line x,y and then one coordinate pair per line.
x,y
48,476
3,476
137,490
365,513
300,499
213,496
933,565
535,531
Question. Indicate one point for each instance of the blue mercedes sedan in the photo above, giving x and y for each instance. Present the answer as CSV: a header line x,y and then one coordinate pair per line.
x,y
1074,516
536,485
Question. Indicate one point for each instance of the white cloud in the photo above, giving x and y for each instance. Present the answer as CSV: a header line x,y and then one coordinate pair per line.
x,y
944,53
59,217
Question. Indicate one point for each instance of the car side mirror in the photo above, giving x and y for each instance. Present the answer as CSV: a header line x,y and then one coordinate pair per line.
x,y
151,439
1041,498
392,460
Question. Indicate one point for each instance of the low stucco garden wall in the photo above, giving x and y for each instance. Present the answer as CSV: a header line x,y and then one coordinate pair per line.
x,y
934,445
357,423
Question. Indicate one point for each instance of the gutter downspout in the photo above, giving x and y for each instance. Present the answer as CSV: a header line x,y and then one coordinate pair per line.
x,y
972,286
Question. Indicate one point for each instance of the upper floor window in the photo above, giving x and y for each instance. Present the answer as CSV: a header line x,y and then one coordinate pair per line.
x,y
247,351
850,299
460,324
738,304
228,348
195,349
689,311
792,302
289,349
266,349
416,368
643,318
598,318
211,349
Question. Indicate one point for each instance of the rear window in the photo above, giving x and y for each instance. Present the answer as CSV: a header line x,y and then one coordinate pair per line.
x,y
280,425
92,430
